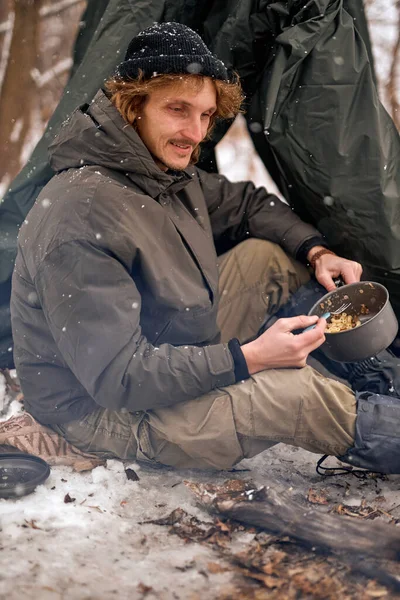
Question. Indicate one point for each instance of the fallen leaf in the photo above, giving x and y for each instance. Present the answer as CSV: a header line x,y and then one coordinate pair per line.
x,y
67,498
270,567
267,580
326,587
216,568
174,517
380,499
376,593
31,524
278,557
223,526
373,591
317,497
359,512
131,475
232,489
144,589
217,538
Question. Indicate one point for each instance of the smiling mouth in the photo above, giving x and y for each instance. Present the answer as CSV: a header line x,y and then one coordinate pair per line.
x,y
182,148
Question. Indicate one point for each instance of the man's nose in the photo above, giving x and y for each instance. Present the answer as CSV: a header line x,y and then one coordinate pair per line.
x,y
194,131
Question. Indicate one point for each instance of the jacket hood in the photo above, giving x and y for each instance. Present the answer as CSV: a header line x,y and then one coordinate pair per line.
x,y
96,134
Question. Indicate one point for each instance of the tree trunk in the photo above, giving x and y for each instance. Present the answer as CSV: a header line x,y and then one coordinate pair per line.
x,y
392,85
15,104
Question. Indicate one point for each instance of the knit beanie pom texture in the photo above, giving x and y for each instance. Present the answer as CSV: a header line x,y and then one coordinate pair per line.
x,y
170,48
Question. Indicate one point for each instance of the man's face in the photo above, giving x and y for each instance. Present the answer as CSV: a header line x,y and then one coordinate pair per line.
x,y
174,120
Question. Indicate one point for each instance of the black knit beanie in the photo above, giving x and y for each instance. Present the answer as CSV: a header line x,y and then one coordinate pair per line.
x,y
170,48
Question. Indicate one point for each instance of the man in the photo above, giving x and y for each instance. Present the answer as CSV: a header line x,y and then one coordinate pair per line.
x,y
132,338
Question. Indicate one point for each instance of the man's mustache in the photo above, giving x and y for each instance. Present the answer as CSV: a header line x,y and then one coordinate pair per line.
x,y
184,143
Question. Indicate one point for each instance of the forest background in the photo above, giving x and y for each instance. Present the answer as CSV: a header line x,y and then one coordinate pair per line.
x,y
36,55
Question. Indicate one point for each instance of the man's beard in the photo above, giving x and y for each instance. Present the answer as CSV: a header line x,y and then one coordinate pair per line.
x,y
169,165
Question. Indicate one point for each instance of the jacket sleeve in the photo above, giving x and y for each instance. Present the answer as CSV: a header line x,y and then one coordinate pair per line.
x,y
92,307
240,210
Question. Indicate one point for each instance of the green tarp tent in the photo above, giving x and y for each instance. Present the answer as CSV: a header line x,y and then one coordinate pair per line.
x,y
312,111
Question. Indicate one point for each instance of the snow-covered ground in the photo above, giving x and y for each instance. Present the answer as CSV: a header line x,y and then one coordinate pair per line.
x,y
96,546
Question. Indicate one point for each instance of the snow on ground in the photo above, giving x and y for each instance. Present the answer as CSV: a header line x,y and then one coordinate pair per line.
x,y
97,546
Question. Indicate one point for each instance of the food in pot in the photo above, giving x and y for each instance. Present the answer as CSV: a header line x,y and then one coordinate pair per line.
x,y
342,322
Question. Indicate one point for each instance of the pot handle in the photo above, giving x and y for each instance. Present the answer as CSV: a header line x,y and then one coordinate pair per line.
x,y
339,281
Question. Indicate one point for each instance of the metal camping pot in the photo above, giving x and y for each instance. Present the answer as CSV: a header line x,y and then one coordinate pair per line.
x,y
378,327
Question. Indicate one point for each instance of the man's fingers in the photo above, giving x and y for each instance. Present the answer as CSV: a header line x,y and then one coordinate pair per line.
x,y
311,340
299,322
333,266
352,273
313,336
325,279
316,344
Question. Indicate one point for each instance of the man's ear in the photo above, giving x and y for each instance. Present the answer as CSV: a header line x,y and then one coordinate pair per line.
x,y
138,112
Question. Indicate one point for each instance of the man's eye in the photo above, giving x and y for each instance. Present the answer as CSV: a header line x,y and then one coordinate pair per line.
x,y
176,108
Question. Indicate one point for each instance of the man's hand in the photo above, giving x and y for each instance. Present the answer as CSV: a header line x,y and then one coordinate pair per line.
x,y
279,348
330,266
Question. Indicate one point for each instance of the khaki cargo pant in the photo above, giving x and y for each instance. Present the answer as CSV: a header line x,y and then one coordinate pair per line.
x,y
295,406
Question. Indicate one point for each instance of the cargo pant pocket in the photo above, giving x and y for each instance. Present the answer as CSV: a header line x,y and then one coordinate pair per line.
x,y
147,449
196,434
106,433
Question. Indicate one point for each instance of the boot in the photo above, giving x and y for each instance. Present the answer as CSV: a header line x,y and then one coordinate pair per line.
x,y
377,437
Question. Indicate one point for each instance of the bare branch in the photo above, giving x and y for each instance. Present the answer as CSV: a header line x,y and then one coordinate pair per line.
x,y
5,50
42,78
52,9
7,25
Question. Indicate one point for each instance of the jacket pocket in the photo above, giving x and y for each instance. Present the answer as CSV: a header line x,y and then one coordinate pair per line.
x,y
385,418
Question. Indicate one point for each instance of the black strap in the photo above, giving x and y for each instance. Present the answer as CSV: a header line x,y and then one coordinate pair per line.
x,y
332,471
